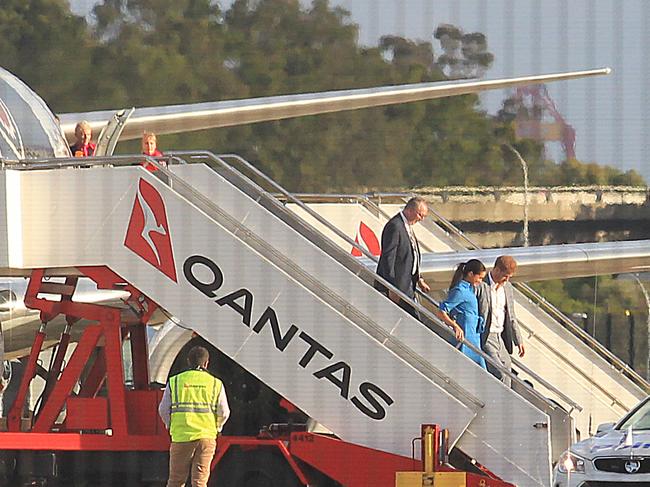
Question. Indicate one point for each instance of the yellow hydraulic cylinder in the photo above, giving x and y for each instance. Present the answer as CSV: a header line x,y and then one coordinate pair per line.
x,y
428,447
430,478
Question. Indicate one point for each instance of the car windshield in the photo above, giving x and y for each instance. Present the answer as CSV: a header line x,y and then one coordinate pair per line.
x,y
639,419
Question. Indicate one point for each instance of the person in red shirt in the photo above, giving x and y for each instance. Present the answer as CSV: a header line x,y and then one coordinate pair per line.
x,y
150,148
83,147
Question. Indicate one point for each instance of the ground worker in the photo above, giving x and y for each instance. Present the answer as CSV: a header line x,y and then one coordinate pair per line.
x,y
194,408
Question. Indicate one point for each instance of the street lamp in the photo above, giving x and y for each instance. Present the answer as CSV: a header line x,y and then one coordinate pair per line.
x,y
524,167
630,320
639,278
647,302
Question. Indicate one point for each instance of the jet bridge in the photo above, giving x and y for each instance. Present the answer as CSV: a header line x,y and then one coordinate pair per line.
x,y
276,296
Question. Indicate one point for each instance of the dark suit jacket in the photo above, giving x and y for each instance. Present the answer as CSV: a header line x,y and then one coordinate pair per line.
x,y
511,333
396,259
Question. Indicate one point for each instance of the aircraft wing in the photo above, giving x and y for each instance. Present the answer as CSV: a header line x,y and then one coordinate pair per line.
x,y
19,322
197,116
544,262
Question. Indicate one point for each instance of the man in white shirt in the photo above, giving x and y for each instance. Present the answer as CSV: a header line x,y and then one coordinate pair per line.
x,y
497,307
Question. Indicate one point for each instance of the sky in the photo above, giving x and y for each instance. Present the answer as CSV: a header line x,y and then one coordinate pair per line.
x,y
528,37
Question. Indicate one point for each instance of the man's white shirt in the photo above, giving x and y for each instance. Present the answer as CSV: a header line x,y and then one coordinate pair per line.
x,y
498,304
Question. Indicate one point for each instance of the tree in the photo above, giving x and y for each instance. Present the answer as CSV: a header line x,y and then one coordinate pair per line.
x,y
282,49
43,43
599,297
464,55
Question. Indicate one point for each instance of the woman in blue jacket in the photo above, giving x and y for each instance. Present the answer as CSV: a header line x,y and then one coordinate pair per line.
x,y
460,309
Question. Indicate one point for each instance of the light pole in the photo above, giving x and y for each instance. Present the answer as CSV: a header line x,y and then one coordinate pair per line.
x,y
647,302
524,167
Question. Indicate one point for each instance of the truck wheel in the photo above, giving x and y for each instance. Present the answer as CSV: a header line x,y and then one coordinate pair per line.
x,y
255,468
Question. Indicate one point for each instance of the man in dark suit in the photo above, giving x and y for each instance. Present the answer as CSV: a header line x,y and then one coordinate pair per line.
x,y
399,262
497,307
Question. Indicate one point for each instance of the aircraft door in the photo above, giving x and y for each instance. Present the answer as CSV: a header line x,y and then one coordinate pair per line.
x,y
110,134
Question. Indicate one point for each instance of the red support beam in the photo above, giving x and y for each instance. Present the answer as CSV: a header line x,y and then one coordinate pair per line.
x,y
88,311
95,378
115,372
69,378
48,309
107,279
292,463
82,442
57,364
16,412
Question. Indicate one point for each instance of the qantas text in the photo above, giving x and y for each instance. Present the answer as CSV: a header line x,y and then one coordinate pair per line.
x,y
373,401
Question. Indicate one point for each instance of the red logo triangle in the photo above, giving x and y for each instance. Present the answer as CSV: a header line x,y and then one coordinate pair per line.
x,y
368,240
148,232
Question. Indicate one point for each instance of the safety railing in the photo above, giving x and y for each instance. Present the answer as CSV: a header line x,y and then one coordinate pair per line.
x,y
460,241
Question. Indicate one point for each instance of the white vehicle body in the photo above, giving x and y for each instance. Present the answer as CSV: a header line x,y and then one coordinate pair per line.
x,y
619,455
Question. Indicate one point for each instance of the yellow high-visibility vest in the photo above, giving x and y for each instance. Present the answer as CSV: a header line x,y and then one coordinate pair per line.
x,y
194,395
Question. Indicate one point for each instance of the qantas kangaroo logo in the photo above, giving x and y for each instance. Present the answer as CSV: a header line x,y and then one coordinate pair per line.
x,y
148,232
367,239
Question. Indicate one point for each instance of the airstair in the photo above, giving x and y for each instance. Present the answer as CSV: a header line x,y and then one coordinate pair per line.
x,y
232,263
562,361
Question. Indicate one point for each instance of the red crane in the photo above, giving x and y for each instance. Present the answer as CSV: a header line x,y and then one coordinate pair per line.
x,y
534,104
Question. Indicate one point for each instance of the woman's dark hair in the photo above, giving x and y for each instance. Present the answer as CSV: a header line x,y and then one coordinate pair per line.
x,y
474,266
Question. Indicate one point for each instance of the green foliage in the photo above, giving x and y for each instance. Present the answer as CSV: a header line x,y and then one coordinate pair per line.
x,y
464,55
574,172
42,43
605,300
155,52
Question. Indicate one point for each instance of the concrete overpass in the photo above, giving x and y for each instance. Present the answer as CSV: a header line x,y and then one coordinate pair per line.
x,y
493,217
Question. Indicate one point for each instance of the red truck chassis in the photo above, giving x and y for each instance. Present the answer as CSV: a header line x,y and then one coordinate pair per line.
x,y
110,430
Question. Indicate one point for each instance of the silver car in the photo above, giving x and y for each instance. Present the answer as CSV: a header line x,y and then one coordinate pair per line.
x,y
619,454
